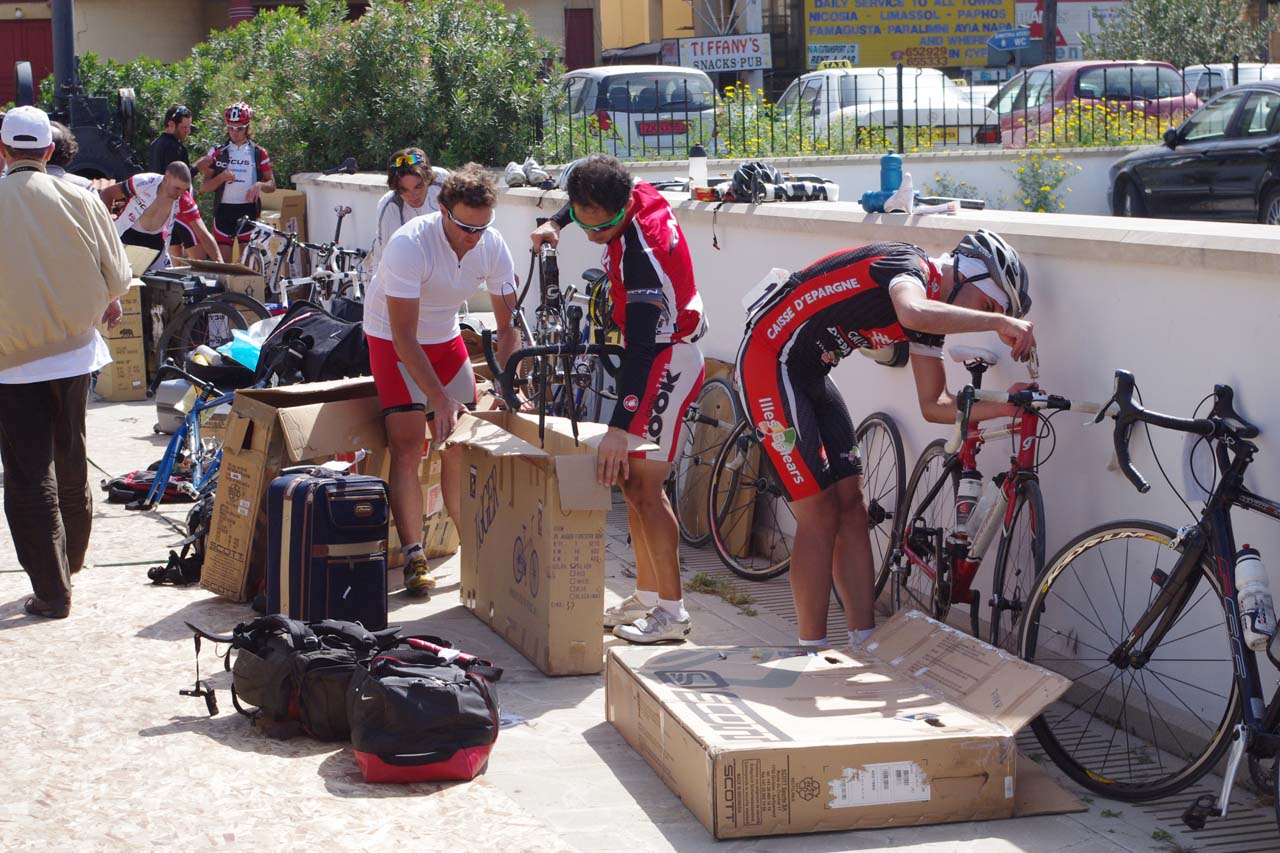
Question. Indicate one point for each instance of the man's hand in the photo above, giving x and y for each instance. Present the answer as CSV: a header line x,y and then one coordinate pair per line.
x,y
1019,336
113,314
447,411
611,457
254,191
547,232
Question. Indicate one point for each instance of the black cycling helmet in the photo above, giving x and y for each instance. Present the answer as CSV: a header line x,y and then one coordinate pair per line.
x,y
749,180
1004,267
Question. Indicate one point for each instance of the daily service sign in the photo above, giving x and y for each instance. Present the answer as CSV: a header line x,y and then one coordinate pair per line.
x,y
927,33
727,53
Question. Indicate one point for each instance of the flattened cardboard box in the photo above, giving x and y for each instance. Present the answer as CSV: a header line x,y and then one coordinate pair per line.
x,y
533,540
772,741
268,429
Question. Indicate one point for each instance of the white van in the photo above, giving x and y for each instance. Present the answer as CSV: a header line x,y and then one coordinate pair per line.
x,y
1208,80
644,110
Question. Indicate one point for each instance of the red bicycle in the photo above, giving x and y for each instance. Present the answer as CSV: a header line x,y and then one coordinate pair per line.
x,y
951,517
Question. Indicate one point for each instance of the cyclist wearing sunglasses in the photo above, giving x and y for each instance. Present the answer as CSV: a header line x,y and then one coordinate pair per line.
x,y
170,147
865,298
430,266
414,191
657,306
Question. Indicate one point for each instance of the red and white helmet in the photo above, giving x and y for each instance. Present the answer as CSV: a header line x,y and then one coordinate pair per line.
x,y
238,114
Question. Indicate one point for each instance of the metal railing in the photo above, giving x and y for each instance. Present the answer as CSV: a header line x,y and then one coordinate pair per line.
x,y
904,109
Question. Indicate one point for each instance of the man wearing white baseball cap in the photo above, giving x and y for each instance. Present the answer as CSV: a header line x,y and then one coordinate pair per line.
x,y
65,269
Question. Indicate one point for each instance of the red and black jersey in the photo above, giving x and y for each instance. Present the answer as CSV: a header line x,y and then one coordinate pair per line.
x,y
841,303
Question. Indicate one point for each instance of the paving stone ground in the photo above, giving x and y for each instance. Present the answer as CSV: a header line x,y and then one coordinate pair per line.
x,y
102,752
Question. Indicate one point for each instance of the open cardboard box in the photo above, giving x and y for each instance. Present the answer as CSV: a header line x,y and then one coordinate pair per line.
x,y
269,429
917,729
236,278
533,538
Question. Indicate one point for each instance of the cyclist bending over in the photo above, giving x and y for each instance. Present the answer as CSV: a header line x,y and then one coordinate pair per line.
x,y
657,306
862,298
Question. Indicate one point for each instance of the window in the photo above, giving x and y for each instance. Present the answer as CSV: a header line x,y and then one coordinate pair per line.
x,y
1210,84
1261,114
575,89
1211,121
869,89
1009,97
1130,82
658,93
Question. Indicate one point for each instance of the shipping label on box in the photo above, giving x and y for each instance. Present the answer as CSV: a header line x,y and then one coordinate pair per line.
x,y
770,741
125,378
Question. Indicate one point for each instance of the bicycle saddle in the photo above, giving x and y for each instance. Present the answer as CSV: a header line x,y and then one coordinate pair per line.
x,y
964,355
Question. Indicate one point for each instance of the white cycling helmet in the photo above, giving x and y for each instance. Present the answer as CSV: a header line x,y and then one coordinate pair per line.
x,y
1004,267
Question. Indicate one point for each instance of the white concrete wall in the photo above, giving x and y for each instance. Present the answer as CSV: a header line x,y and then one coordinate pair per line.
x,y
1184,305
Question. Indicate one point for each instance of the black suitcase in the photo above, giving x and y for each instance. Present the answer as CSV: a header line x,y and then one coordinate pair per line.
x,y
327,548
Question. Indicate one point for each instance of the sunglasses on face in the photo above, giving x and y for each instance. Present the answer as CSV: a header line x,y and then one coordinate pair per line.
x,y
471,229
408,160
603,226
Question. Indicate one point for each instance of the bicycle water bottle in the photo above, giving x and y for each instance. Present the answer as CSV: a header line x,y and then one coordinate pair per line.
x,y
1253,592
697,168
986,519
890,172
967,492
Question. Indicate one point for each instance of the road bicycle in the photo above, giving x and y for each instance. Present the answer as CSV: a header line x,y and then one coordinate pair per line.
x,y
1144,619
335,271
936,556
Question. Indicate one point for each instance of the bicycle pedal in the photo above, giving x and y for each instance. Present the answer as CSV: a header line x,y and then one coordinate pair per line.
x,y
1204,806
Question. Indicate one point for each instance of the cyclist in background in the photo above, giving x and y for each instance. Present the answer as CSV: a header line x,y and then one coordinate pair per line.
x,y
238,171
657,306
153,205
414,191
862,298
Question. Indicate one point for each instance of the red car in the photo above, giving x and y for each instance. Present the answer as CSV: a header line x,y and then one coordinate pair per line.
x,y
1028,103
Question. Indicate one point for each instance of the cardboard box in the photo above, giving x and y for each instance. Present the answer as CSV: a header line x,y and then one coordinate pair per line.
x,y
439,534
125,378
773,741
533,537
284,206
234,277
268,429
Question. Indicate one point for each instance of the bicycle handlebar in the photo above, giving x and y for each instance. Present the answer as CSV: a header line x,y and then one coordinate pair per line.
x,y
171,370
1128,414
507,380
1028,399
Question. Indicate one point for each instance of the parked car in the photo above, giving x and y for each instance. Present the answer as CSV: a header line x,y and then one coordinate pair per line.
x,y
1028,103
1221,163
1208,80
840,101
644,109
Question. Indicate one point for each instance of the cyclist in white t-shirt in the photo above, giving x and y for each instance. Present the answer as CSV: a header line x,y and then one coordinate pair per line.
x,y
429,267
415,191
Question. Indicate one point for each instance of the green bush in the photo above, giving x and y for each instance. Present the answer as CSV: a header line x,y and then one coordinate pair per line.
x,y
459,78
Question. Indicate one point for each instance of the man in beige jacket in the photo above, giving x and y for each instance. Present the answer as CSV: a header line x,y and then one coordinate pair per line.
x,y
64,268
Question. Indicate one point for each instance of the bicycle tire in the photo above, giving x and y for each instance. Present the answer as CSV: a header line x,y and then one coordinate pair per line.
x,y
699,446
742,485
1063,621
884,481
209,323
251,309
1019,561
255,259
908,584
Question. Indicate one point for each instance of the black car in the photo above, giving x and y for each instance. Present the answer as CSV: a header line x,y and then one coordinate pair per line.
x,y
1221,163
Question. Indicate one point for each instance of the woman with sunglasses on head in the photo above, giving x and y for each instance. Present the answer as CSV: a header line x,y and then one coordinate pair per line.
x,y
421,367
657,306
414,191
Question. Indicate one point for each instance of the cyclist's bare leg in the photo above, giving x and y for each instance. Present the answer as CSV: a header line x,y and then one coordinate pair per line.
x,y
852,562
817,523
654,531
406,433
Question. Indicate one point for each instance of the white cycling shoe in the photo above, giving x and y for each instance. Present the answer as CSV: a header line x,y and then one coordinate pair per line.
x,y
514,175
656,626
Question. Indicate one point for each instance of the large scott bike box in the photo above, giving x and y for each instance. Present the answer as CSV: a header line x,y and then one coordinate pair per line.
x,y
327,548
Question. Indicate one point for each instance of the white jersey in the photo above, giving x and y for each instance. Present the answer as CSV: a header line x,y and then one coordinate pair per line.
x,y
391,216
418,263
240,164
141,191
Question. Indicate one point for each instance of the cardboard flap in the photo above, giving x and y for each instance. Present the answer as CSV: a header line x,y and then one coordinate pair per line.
x,y
220,267
323,429
484,432
983,680
579,488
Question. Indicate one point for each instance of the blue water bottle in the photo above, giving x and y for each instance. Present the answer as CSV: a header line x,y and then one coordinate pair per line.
x,y
890,172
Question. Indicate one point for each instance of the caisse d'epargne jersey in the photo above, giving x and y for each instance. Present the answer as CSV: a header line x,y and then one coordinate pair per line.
x,y
841,303
141,191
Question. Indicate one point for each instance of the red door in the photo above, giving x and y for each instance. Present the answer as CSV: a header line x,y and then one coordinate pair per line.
x,y
29,40
579,38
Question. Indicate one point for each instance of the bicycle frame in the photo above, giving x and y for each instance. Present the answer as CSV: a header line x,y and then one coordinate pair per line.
x,y
203,475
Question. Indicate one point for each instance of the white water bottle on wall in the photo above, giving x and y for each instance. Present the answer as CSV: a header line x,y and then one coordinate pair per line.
x,y
1253,592
697,167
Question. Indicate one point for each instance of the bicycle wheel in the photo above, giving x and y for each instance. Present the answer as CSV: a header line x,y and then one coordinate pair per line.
x,y
700,444
1137,732
910,585
751,522
1019,561
250,309
255,258
884,480
210,323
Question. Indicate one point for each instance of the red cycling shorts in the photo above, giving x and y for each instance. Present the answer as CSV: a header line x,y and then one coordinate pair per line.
x,y
396,389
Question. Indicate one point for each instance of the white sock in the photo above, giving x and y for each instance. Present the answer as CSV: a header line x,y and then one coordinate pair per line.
x,y
408,553
857,638
674,608
814,644
647,597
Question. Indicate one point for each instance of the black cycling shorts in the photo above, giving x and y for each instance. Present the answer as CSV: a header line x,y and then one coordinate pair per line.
x,y
227,216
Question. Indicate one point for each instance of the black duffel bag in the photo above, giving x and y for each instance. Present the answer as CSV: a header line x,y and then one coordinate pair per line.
x,y
423,713
335,348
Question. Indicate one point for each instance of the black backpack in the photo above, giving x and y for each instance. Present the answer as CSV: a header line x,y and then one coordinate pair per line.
x,y
334,348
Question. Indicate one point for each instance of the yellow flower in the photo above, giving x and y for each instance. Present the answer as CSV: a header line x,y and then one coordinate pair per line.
x,y
1046,188
1021,170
